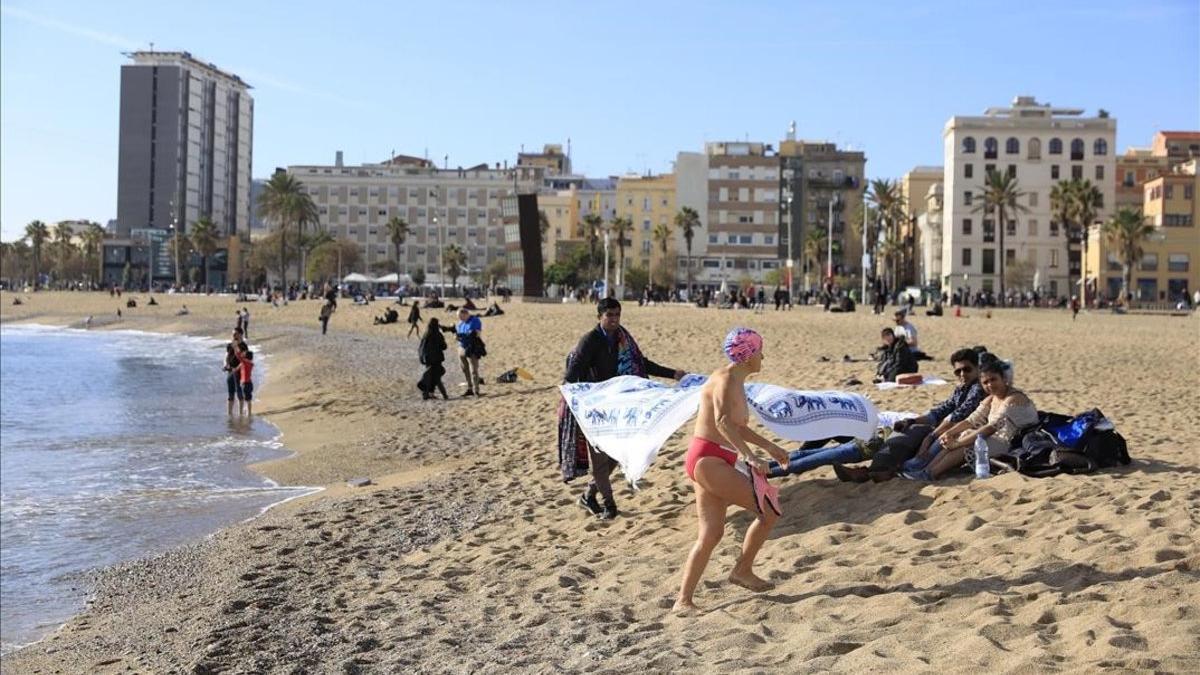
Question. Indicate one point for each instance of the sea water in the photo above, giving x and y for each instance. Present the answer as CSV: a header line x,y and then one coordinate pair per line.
x,y
113,446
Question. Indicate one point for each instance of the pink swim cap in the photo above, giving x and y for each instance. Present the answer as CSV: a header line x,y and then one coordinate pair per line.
x,y
741,344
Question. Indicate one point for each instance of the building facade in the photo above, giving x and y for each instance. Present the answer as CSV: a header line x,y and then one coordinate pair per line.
x,y
441,207
914,190
647,201
814,174
1040,145
929,237
185,146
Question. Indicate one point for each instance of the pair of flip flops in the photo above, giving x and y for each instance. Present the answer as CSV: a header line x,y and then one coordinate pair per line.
x,y
766,496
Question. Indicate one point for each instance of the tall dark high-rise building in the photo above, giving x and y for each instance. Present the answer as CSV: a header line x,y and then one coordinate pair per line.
x,y
185,145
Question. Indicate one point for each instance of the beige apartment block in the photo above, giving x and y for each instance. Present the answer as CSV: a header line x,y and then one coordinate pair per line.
x,y
1040,145
565,232
647,201
741,234
914,190
441,206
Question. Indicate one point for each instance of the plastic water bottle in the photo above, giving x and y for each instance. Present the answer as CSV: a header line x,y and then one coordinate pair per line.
x,y
983,469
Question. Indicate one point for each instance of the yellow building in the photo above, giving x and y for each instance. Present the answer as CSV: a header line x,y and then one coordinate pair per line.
x,y
1170,267
647,201
562,212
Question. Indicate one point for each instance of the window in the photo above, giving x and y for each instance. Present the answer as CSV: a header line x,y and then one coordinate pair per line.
x,y
989,261
1054,172
1128,182
769,239
1077,149
1012,170
967,198
1053,229
966,257
1055,146
1100,147
1010,256
353,192
968,171
746,239
1053,257
966,224
1149,262
1011,229
1099,172
707,263
990,148
1077,171
968,146
1012,147
1114,263
1034,149
731,239
988,168
1033,198
1170,191
1189,191
382,212
1033,229
1177,262
989,231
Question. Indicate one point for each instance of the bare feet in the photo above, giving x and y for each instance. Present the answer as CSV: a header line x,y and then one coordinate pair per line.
x,y
750,581
685,608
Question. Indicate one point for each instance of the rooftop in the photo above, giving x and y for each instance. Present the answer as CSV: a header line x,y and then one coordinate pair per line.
x,y
152,58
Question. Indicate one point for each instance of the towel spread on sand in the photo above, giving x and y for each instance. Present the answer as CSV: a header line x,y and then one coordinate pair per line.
x,y
629,418
928,380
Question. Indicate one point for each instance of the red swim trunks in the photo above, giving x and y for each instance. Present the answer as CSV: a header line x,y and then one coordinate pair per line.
x,y
702,447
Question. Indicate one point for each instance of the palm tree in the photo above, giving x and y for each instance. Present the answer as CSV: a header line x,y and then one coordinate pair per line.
x,y
1000,194
688,221
63,248
662,237
37,233
454,259
397,228
204,240
591,232
285,202
1125,232
814,246
1085,201
620,226
93,243
891,249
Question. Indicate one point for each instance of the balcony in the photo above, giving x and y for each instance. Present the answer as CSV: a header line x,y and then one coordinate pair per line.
x,y
843,183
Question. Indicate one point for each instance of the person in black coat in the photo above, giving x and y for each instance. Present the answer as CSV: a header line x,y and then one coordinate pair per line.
x,y
895,358
432,353
606,351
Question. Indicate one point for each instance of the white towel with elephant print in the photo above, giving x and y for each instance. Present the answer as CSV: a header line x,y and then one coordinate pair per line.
x,y
629,418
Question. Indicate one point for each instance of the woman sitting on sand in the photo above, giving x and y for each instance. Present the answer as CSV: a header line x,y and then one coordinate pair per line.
x,y
998,419
722,422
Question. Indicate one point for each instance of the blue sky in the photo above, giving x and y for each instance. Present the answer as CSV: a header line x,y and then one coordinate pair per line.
x,y
630,83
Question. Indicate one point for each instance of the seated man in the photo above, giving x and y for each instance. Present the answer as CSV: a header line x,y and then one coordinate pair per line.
x,y
905,327
152,301
895,358
915,436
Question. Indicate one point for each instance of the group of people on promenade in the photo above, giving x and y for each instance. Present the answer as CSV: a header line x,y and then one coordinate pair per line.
x,y
724,469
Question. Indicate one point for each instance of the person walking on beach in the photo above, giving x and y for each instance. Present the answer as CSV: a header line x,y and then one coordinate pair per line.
x,y
326,312
606,351
245,323
722,435
432,354
414,318
232,369
470,349
245,370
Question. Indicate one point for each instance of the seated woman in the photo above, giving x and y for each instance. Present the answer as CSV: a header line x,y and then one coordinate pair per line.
x,y
895,358
998,419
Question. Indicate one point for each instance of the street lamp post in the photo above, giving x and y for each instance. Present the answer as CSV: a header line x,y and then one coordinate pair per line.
x,y
606,233
175,241
835,202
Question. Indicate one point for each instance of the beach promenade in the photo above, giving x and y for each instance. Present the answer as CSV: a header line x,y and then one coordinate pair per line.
x,y
468,553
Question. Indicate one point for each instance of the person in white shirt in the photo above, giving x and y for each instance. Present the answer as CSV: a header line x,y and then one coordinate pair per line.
x,y
910,331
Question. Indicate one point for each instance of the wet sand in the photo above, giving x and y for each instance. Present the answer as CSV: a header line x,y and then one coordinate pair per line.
x,y
469,554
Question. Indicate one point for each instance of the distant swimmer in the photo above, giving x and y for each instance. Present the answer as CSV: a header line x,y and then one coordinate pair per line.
x,y
722,436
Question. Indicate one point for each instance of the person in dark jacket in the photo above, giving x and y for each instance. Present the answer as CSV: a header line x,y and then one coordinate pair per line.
x,y
895,358
414,318
606,351
432,353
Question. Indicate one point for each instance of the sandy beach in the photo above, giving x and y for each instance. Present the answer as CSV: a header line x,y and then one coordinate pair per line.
x,y
469,554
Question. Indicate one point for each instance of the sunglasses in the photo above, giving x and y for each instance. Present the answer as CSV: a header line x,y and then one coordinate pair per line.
x,y
963,371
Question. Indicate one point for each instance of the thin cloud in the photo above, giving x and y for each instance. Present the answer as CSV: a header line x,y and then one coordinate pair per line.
x,y
82,31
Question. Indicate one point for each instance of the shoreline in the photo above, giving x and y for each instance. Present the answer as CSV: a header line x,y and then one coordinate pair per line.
x,y
468,531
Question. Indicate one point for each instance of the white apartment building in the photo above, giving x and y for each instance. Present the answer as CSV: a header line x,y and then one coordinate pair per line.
x,y
1040,145
441,206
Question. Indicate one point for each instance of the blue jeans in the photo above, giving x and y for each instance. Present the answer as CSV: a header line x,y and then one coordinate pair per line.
x,y
800,461
917,468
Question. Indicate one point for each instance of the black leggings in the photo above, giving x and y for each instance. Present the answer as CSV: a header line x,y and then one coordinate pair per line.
x,y
431,379
602,469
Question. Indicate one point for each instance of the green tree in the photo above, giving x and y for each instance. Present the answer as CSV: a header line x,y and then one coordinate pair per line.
x,y
1086,199
264,257
179,247
455,260
1000,195
543,224
397,229
621,226
418,276
331,257
637,278
591,232
662,237
285,203
887,200
1125,231
64,250
93,247
814,248
38,234
497,269
688,222
204,240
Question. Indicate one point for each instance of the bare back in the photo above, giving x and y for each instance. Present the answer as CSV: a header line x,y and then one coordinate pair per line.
x,y
720,394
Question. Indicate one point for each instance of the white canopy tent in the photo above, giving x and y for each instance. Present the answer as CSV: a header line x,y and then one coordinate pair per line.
x,y
356,278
